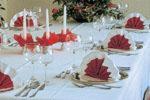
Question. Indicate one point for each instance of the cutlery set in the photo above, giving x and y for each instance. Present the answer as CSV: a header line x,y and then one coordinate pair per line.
x,y
67,72
33,84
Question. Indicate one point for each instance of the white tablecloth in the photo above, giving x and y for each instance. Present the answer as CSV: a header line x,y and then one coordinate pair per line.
x,y
63,89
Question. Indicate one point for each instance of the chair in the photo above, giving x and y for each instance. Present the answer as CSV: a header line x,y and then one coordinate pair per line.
x,y
147,94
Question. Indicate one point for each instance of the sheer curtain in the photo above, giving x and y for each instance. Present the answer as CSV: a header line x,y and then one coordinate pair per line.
x,y
139,78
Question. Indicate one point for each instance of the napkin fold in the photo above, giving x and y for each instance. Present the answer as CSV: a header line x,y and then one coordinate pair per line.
x,y
135,23
19,22
96,69
21,41
5,82
44,41
119,42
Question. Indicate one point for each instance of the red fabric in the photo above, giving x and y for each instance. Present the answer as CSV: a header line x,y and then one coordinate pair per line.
x,y
96,69
135,23
21,41
5,82
43,41
54,38
69,36
19,22
119,42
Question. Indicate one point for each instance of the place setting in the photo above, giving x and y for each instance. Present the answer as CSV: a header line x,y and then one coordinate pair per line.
x,y
120,42
93,72
136,22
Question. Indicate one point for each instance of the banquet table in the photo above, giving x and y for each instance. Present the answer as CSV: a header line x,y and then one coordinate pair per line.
x,y
63,89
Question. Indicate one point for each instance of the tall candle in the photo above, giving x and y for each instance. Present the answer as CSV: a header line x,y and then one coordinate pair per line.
x,y
47,23
65,20
24,24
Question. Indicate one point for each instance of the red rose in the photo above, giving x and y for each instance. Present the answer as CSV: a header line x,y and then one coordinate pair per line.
x,y
55,10
111,5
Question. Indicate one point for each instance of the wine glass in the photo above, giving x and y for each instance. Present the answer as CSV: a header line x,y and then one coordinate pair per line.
x,y
99,23
86,42
46,58
38,12
31,53
122,6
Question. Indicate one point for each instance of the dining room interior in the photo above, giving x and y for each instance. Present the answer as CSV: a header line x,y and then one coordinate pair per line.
x,y
74,50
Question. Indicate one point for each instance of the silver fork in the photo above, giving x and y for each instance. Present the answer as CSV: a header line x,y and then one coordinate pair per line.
x,y
34,84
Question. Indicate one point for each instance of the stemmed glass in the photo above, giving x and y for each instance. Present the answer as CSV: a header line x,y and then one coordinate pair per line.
x,y
46,58
38,13
86,43
122,6
31,53
99,23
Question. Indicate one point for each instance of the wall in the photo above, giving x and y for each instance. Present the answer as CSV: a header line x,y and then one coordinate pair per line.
x,y
4,12
14,6
140,6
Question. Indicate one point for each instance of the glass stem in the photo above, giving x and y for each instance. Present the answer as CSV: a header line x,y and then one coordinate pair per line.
x,y
33,73
45,80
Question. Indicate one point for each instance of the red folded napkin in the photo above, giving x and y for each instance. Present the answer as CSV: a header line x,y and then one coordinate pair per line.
x,y
135,23
96,69
119,42
69,36
19,22
5,82
21,41
43,41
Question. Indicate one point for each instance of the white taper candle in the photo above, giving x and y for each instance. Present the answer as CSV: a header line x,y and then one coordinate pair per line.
x,y
65,20
24,24
47,23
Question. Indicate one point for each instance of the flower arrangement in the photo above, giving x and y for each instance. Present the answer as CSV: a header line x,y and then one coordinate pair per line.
x,y
86,10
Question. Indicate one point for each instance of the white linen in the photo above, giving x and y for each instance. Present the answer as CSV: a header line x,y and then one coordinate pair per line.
x,y
59,89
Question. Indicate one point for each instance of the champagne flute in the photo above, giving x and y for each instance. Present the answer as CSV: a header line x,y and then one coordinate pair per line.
x,y
31,53
46,58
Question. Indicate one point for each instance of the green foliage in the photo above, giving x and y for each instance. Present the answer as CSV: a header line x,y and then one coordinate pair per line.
x,y
1,17
85,10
